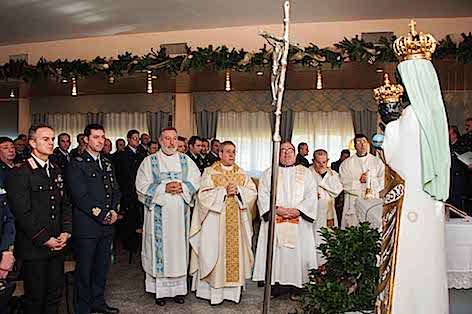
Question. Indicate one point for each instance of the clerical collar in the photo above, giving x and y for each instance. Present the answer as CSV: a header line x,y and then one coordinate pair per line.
x,y
284,166
133,149
227,167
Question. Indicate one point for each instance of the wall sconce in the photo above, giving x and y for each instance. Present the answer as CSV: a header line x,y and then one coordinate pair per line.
x,y
149,89
12,93
319,80
74,87
228,80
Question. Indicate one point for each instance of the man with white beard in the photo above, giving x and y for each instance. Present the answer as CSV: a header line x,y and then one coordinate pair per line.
x,y
294,245
166,184
329,187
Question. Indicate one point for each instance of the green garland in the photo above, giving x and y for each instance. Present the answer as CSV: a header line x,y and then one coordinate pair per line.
x,y
221,58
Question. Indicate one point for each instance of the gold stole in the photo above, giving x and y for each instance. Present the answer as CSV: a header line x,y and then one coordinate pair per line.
x,y
392,210
222,179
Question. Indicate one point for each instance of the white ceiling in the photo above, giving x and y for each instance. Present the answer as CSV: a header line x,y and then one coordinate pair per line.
x,y
23,21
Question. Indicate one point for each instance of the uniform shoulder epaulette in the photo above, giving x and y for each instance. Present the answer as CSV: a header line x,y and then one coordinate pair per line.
x,y
32,164
78,158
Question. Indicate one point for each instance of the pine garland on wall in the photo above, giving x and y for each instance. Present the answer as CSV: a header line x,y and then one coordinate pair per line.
x,y
222,58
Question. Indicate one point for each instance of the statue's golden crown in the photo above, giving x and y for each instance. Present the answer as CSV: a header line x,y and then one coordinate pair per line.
x,y
388,93
415,45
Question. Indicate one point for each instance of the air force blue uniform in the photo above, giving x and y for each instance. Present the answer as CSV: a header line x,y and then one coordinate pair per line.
x,y
94,193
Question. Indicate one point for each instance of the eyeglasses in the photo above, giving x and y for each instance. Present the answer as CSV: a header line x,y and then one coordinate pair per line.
x,y
287,150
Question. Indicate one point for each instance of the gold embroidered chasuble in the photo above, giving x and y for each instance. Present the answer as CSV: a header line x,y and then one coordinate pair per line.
x,y
228,261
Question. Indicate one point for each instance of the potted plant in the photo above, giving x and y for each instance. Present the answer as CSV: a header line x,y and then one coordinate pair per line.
x,y
348,281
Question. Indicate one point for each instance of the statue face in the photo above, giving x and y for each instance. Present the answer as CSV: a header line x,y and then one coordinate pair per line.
x,y
390,111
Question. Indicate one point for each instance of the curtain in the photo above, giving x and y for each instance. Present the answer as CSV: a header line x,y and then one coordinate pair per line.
x,y
70,123
95,118
330,131
117,125
286,124
206,123
156,121
365,122
39,118
251,133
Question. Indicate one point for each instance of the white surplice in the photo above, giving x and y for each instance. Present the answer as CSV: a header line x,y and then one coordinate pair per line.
x,y
221,234
420,284
329,187
166,221
350,172
294,244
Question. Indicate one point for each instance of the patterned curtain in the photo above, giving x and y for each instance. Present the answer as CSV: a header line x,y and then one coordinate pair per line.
x,y
96,118
39,118
206,123
365,122
157,121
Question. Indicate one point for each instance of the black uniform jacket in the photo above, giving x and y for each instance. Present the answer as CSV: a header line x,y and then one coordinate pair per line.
x,y
41,211
94,192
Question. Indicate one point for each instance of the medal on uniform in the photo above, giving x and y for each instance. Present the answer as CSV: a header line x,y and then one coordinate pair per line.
x,y
96,211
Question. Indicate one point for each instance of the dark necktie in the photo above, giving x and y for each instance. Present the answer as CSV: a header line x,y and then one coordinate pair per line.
x,y
98,162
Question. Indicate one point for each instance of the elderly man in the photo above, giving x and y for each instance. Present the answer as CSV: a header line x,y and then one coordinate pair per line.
x,y
361,174
7,156
43,216
166,184
61,156
329,187
221,232
294,245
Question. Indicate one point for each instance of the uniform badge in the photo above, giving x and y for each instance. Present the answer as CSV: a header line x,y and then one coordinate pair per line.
x,y
32,164
96,211
109,169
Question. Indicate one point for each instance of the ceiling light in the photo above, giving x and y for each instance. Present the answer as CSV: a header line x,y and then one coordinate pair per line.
x,y
259,73
319,80
379,70
74,87
12,93
228,80
149,89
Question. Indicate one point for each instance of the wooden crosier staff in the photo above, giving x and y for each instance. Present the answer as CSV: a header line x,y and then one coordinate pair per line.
x,y
279,55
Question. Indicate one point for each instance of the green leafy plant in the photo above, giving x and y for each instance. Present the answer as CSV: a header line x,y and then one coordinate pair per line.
x,y
349,278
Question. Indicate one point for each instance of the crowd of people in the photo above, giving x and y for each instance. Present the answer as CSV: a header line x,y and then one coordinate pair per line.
x,y
183,202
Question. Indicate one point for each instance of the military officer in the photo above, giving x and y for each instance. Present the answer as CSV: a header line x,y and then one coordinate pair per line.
x,y
194,152
95,196
61,156
126,164
43,220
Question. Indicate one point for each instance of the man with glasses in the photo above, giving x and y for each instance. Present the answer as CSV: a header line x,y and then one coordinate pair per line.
x,y
297,201
221,233
127,164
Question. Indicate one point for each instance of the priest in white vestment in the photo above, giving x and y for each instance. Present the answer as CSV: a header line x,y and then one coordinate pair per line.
x,y
329,187
416,147
360,173
166,183
221,232
294,244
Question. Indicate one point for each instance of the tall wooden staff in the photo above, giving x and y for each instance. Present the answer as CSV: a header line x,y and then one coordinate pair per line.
x,y
279,67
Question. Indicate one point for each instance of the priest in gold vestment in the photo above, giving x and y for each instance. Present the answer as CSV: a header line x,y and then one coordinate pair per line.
x,y
221,231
